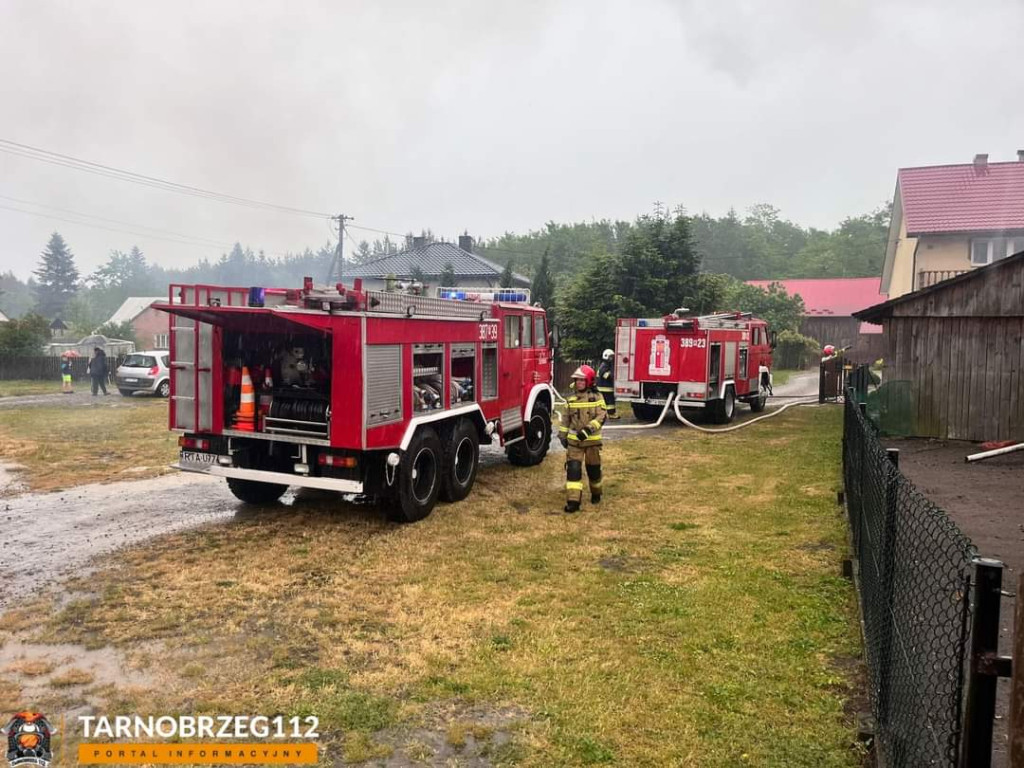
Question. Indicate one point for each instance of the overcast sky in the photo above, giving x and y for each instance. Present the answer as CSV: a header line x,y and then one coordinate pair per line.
x,y
486,116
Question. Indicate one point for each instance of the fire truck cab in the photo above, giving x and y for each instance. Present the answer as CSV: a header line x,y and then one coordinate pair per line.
x,y
706,362
362,392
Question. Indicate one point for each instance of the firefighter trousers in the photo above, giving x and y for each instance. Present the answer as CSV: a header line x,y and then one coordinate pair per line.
x,y
575,458
608,393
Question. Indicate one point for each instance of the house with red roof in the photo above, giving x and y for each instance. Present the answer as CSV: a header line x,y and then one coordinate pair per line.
x,y
829,304
950,219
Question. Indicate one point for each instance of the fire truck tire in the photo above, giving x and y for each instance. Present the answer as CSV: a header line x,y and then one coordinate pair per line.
x,y
724,409
419,478
646,412
532,449
758,403
461,459
252,492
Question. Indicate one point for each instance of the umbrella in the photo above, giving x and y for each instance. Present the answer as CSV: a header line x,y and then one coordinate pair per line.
x,y
70,353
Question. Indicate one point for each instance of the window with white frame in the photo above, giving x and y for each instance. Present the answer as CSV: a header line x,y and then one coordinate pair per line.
x,y
160,341
985,250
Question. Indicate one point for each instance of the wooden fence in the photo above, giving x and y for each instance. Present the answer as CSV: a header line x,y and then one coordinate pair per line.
x,y
44,368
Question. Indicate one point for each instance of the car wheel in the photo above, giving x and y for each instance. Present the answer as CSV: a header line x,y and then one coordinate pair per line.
x,y
164,390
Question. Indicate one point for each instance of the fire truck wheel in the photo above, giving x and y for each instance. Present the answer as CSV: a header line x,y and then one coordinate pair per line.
x,y
252,492
419,478
725,408
645,412
758,403
532,449
461,458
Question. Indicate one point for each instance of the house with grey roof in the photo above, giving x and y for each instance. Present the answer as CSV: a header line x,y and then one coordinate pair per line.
x,y
471,269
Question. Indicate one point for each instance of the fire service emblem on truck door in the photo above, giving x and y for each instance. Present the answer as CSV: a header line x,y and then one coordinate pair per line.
x,y
661,363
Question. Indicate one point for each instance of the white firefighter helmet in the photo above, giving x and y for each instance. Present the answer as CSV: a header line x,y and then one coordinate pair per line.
x,y
608,354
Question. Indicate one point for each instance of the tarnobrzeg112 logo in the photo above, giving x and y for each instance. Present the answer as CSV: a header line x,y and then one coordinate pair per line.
x,y
28,739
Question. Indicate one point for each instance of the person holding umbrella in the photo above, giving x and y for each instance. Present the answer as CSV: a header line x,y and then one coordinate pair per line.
x,y
65,372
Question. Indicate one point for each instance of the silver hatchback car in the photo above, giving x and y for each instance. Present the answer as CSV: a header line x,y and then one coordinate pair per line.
x,y
145,372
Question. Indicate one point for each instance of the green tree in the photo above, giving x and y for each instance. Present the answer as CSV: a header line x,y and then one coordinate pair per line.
x,y
16,297
57,277
651,276
587,310
506,279
363,252
543,285
123,331
655,266
24,336
416,273
448,278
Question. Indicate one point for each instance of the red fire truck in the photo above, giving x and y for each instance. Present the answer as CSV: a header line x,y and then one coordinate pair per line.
x,y
709,362
362,392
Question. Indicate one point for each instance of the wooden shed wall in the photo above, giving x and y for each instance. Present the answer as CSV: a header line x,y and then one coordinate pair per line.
x,y
965,372
995,291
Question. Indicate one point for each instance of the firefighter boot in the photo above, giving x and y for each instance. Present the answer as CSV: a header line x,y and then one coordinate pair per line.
x,y
573,485
594,476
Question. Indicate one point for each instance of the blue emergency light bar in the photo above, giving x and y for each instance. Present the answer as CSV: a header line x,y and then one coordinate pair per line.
x,y
508,295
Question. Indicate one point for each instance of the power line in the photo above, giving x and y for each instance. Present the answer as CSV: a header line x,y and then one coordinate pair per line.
x,y
178,239
67,161
156,232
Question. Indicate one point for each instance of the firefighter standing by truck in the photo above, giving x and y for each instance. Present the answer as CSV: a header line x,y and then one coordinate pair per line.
x,y
579,430
606,381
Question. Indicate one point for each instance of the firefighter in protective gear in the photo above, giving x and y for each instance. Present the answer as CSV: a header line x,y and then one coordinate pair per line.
x,y
579,429
606,381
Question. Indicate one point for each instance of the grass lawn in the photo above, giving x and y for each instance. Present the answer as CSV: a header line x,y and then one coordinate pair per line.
x,y
59,447
29,387
782,376
698,618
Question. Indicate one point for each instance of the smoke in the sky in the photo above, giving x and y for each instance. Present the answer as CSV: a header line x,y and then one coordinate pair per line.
x,y
487,117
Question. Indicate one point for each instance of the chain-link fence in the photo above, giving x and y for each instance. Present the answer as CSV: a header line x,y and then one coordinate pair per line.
x,y
914,583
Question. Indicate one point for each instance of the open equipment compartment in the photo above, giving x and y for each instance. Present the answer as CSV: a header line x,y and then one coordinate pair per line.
x,y
291,376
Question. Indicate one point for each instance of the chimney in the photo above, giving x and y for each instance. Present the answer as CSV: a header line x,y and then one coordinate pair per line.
x,y
1020,155
981,161
419,241
466,243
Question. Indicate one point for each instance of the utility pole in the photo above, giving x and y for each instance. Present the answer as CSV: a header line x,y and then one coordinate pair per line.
x,y
339,254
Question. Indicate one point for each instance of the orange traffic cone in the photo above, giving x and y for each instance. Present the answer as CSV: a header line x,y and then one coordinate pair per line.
x,y
245,419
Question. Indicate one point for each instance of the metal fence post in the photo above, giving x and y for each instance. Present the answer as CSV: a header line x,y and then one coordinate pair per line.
x,y
980,708
1017,690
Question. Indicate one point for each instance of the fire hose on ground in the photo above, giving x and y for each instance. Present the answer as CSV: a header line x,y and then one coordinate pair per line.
x,y
673,402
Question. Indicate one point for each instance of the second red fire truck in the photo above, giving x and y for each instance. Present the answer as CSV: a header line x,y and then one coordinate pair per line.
x,y
707,362
362,392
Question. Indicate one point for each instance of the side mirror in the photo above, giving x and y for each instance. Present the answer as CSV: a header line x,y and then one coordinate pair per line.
x,y
555,338
774,339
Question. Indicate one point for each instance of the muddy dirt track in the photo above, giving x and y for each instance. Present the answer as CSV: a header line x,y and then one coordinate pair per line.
x,y
61,533
984,500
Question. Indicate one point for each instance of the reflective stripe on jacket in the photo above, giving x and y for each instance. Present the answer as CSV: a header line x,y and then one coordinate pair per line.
x,y
582,410
606,377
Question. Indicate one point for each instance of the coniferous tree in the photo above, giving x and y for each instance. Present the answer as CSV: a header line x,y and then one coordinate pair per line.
x,y
505,281
448,275
57,277
543,286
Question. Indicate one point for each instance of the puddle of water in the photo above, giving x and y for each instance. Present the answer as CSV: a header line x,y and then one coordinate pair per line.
x,y
9,482
43,670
